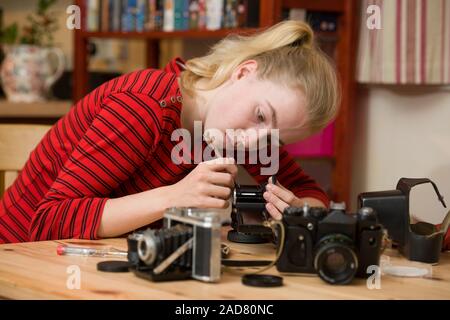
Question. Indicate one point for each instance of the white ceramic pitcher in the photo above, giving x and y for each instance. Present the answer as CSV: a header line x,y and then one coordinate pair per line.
x,y
27,73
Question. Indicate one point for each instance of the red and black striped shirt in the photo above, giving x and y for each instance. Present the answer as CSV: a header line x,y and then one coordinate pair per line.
x,y
115,141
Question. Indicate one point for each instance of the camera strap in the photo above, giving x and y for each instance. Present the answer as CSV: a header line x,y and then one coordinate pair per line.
x,y
263,263
424,229
423,240
255,279
406,184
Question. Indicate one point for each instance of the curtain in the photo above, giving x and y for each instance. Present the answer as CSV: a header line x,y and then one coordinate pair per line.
x,y
411,47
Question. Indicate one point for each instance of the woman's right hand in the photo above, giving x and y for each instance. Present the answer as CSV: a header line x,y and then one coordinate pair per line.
x,y
209,185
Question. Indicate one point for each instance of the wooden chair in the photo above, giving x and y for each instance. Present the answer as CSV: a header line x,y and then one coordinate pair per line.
x,y
16,143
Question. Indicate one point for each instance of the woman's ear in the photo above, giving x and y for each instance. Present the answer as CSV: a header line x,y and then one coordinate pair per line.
x,y
245,69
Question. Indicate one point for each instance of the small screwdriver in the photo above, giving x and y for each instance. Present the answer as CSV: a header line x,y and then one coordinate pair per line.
x,y
91,252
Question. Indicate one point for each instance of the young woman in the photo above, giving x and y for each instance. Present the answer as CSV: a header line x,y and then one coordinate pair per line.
x,y
105,168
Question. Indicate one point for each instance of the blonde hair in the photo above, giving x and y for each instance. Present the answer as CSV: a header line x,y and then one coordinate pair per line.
x,y
286,53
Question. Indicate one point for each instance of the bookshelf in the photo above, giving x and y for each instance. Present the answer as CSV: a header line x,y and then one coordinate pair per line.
x,y
152,38
270,12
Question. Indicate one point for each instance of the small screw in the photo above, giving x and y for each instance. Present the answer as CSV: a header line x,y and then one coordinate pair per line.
x,y
301,238
310,226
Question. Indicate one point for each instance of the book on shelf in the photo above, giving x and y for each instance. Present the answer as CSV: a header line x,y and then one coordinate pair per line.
x,y
214,14
169,15
128,14
92,16
230,14
104,15
153,14
114,15
297,14
201,14
140,11
181,15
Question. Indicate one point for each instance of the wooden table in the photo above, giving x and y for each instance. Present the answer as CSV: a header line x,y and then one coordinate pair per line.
x,y
34,271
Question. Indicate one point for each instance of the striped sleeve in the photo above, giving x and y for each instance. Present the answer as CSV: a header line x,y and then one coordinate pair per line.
x,y
115,145
292,177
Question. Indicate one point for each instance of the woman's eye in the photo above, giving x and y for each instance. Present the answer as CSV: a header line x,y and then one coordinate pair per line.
x,y
261,117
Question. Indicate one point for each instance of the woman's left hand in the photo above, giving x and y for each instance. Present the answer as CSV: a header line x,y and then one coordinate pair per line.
x,y
279,198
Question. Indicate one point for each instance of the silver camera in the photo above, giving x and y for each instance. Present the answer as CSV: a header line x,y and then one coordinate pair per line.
x,y
187,247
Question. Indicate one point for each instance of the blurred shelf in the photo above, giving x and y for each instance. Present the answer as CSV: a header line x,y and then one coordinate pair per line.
x,y
327,35
191,34
52,109
316,5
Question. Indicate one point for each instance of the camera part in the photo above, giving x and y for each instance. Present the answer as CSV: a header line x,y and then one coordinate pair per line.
x,y
187,247
336,245
262,280
418,242
114,266
249,213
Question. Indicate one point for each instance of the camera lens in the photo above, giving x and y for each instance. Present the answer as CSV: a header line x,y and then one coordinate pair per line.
x,y
335,263
335,260
147,247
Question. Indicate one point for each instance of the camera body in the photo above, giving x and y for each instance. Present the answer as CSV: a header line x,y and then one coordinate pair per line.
x,y
187,247
332,243
247,215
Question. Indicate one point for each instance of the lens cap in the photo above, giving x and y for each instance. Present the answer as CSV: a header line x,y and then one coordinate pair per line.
x,y
262,280
114,266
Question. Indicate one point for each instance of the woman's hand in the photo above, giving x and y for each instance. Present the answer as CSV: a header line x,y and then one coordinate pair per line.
x,y
209,185
279,198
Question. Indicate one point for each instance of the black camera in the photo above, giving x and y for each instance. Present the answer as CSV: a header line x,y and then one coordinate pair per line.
x,y
187,247
332,243
419,241
248,214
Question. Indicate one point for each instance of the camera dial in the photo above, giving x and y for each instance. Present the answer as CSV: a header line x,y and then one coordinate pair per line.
x,y
317,213
337,206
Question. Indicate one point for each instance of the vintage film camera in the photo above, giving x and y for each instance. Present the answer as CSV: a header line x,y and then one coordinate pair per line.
x,y
335,245
248,214
187,247
420,241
